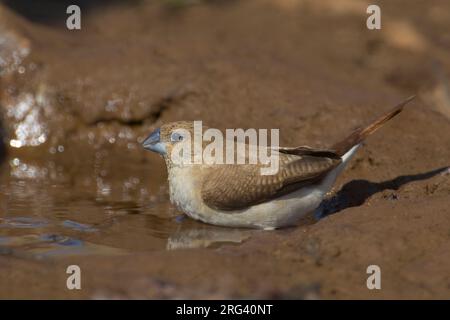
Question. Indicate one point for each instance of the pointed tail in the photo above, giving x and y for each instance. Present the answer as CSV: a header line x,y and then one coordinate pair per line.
x,y
360,134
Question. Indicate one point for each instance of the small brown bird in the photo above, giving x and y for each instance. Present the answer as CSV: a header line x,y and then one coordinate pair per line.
x,y
238,195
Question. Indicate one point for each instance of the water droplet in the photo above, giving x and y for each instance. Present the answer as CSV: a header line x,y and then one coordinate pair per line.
x,y
15,143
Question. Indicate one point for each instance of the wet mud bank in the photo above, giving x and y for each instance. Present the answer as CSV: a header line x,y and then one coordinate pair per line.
x,y
77,188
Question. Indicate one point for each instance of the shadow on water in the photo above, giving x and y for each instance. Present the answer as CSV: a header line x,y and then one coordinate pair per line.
x,y
356,192
54,11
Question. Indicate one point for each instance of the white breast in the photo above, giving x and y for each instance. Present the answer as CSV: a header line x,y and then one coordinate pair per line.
x,y
185,192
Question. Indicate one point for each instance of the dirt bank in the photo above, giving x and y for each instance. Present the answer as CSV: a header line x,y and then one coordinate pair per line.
x,y
310,68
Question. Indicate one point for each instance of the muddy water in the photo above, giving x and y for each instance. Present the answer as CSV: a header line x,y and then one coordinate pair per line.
x,y
76,180
49,210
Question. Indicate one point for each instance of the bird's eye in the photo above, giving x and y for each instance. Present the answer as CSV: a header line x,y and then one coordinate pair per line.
x,y
176,136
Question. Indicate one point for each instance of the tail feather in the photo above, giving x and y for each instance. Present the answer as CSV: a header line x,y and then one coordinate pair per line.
x,y
360,134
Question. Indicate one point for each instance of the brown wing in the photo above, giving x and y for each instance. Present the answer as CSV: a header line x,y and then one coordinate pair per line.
x,y
231,187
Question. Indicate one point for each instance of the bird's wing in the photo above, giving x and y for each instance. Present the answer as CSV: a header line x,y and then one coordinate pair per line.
x,y
233,187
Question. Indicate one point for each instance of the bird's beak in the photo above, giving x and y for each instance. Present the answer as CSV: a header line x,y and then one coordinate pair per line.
x,y
153,143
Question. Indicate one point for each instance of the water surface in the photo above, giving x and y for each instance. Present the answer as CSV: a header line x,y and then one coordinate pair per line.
x,y
56,207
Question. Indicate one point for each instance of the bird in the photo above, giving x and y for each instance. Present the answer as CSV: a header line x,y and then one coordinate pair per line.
x,y
239,196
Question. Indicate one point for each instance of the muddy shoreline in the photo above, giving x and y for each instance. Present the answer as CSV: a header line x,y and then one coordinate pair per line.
x,y
77,188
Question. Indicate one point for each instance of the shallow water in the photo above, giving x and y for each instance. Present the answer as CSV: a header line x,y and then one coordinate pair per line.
x,y
51,208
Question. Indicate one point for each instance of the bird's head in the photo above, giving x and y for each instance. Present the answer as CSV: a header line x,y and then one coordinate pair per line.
x,y
164,139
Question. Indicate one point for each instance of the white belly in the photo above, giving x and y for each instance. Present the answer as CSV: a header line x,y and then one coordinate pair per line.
x,y
280,212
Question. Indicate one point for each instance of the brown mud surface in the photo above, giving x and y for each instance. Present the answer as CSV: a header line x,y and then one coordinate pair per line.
x,y
77,188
